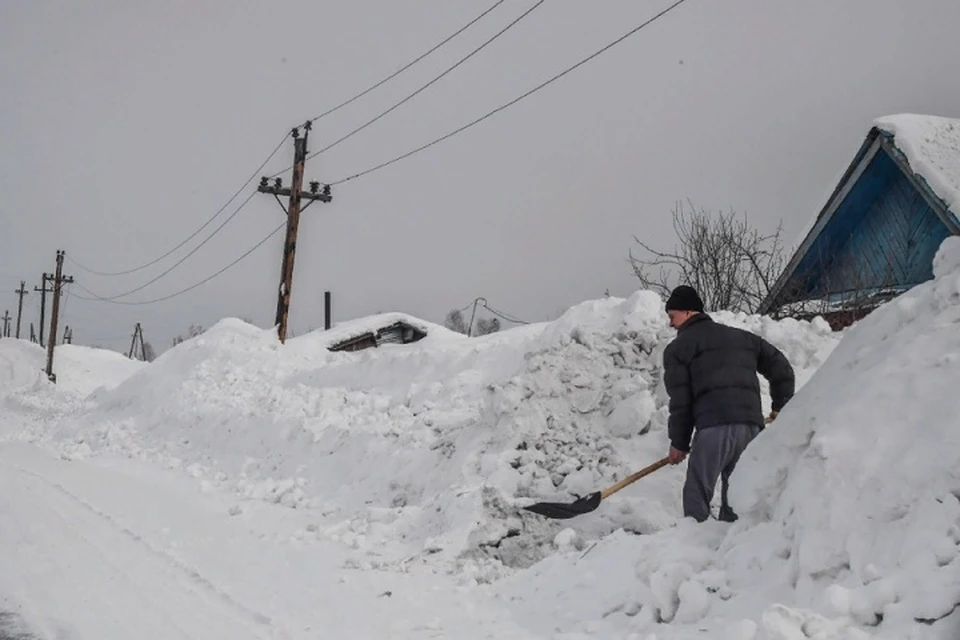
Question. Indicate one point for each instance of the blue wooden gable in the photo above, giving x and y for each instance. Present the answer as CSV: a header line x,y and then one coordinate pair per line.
x,y
878,232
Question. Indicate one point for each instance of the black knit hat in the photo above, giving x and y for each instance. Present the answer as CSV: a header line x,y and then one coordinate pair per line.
x,y
684,298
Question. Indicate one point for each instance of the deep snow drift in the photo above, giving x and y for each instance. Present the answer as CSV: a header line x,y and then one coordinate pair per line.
x,y
850,518
422,453
422,450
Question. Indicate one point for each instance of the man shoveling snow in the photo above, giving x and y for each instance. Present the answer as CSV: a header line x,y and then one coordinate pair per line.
x,y
710,373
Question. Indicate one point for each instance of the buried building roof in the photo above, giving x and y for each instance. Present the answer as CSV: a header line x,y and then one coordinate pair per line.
x,y
385,328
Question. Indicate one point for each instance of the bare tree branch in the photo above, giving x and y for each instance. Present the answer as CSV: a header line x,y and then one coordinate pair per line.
x,y
732,265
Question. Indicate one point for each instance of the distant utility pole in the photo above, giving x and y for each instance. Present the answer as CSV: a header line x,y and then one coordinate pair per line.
x,y
6,323
33,334
326,311
43,302
296,194
138,334
67,335
22,291
58,281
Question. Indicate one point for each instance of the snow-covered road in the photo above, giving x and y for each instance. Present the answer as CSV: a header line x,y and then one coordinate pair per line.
x,y
116,549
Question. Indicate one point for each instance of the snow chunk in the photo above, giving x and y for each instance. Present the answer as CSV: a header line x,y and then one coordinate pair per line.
x,y
632,416
947,258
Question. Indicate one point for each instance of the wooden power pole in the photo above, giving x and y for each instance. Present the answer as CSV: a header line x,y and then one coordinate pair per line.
x,y
22,291
295,194
58,281
6,323
43,302
138,334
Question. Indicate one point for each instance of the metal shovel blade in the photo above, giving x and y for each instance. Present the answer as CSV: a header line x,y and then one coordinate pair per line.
x,y
564,510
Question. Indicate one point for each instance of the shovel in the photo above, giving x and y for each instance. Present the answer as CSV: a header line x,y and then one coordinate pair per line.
x,y
586,504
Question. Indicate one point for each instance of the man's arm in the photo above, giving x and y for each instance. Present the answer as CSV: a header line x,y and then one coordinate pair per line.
x,y
676,379
775,367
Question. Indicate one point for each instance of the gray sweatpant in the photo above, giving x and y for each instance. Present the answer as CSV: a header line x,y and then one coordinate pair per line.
x,y
714,454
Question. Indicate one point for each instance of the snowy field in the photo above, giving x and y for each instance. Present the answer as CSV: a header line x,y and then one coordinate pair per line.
x,y
239,488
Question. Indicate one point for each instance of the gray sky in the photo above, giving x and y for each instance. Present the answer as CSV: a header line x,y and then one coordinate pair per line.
x,y
125,126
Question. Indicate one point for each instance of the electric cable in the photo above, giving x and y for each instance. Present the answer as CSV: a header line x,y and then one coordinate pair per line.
x,y
191,287
409,64
508,104
428,84
194,234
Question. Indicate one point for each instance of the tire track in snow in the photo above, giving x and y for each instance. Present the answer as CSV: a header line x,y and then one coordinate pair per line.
x,y
56,567
107,560
195,578
62,587
67,560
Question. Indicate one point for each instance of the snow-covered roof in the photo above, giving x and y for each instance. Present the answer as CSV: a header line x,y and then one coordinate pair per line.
x,y
931,145
352,329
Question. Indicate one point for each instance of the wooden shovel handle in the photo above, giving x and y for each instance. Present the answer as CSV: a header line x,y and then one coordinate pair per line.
x,y
633,477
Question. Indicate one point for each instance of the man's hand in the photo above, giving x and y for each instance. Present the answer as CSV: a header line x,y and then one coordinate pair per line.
x,y
676,456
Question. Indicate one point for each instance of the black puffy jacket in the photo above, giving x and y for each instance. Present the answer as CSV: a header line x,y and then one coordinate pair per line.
x,y
710,373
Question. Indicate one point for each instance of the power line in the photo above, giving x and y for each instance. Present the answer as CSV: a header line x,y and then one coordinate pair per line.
x,y
183,259
418,91
504,315
193,235
428,84
191,287
512,102
409,64
66,299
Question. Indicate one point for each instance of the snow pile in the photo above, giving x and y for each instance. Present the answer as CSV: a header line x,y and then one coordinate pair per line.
x,y
849,509
81,371
932,146
861,483
423,452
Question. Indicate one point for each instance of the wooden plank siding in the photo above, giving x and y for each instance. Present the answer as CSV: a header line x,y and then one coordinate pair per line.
x,y
882,234
895,237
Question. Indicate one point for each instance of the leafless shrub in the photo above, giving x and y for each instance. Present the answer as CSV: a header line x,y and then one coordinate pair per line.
x,y
731,263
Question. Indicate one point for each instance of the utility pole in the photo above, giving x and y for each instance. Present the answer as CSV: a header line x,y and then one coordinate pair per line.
x,y
133,341
138,333
295,193
58,281
22,291
326,311
6,323
67,335
43,302
33,334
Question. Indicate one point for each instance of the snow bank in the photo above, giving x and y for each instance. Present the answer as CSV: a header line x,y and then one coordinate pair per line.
x,y
932,146
849,509
860,484
423,452
83,369
32,401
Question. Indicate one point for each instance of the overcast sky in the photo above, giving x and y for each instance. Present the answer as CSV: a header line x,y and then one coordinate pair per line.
x,y
125,125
